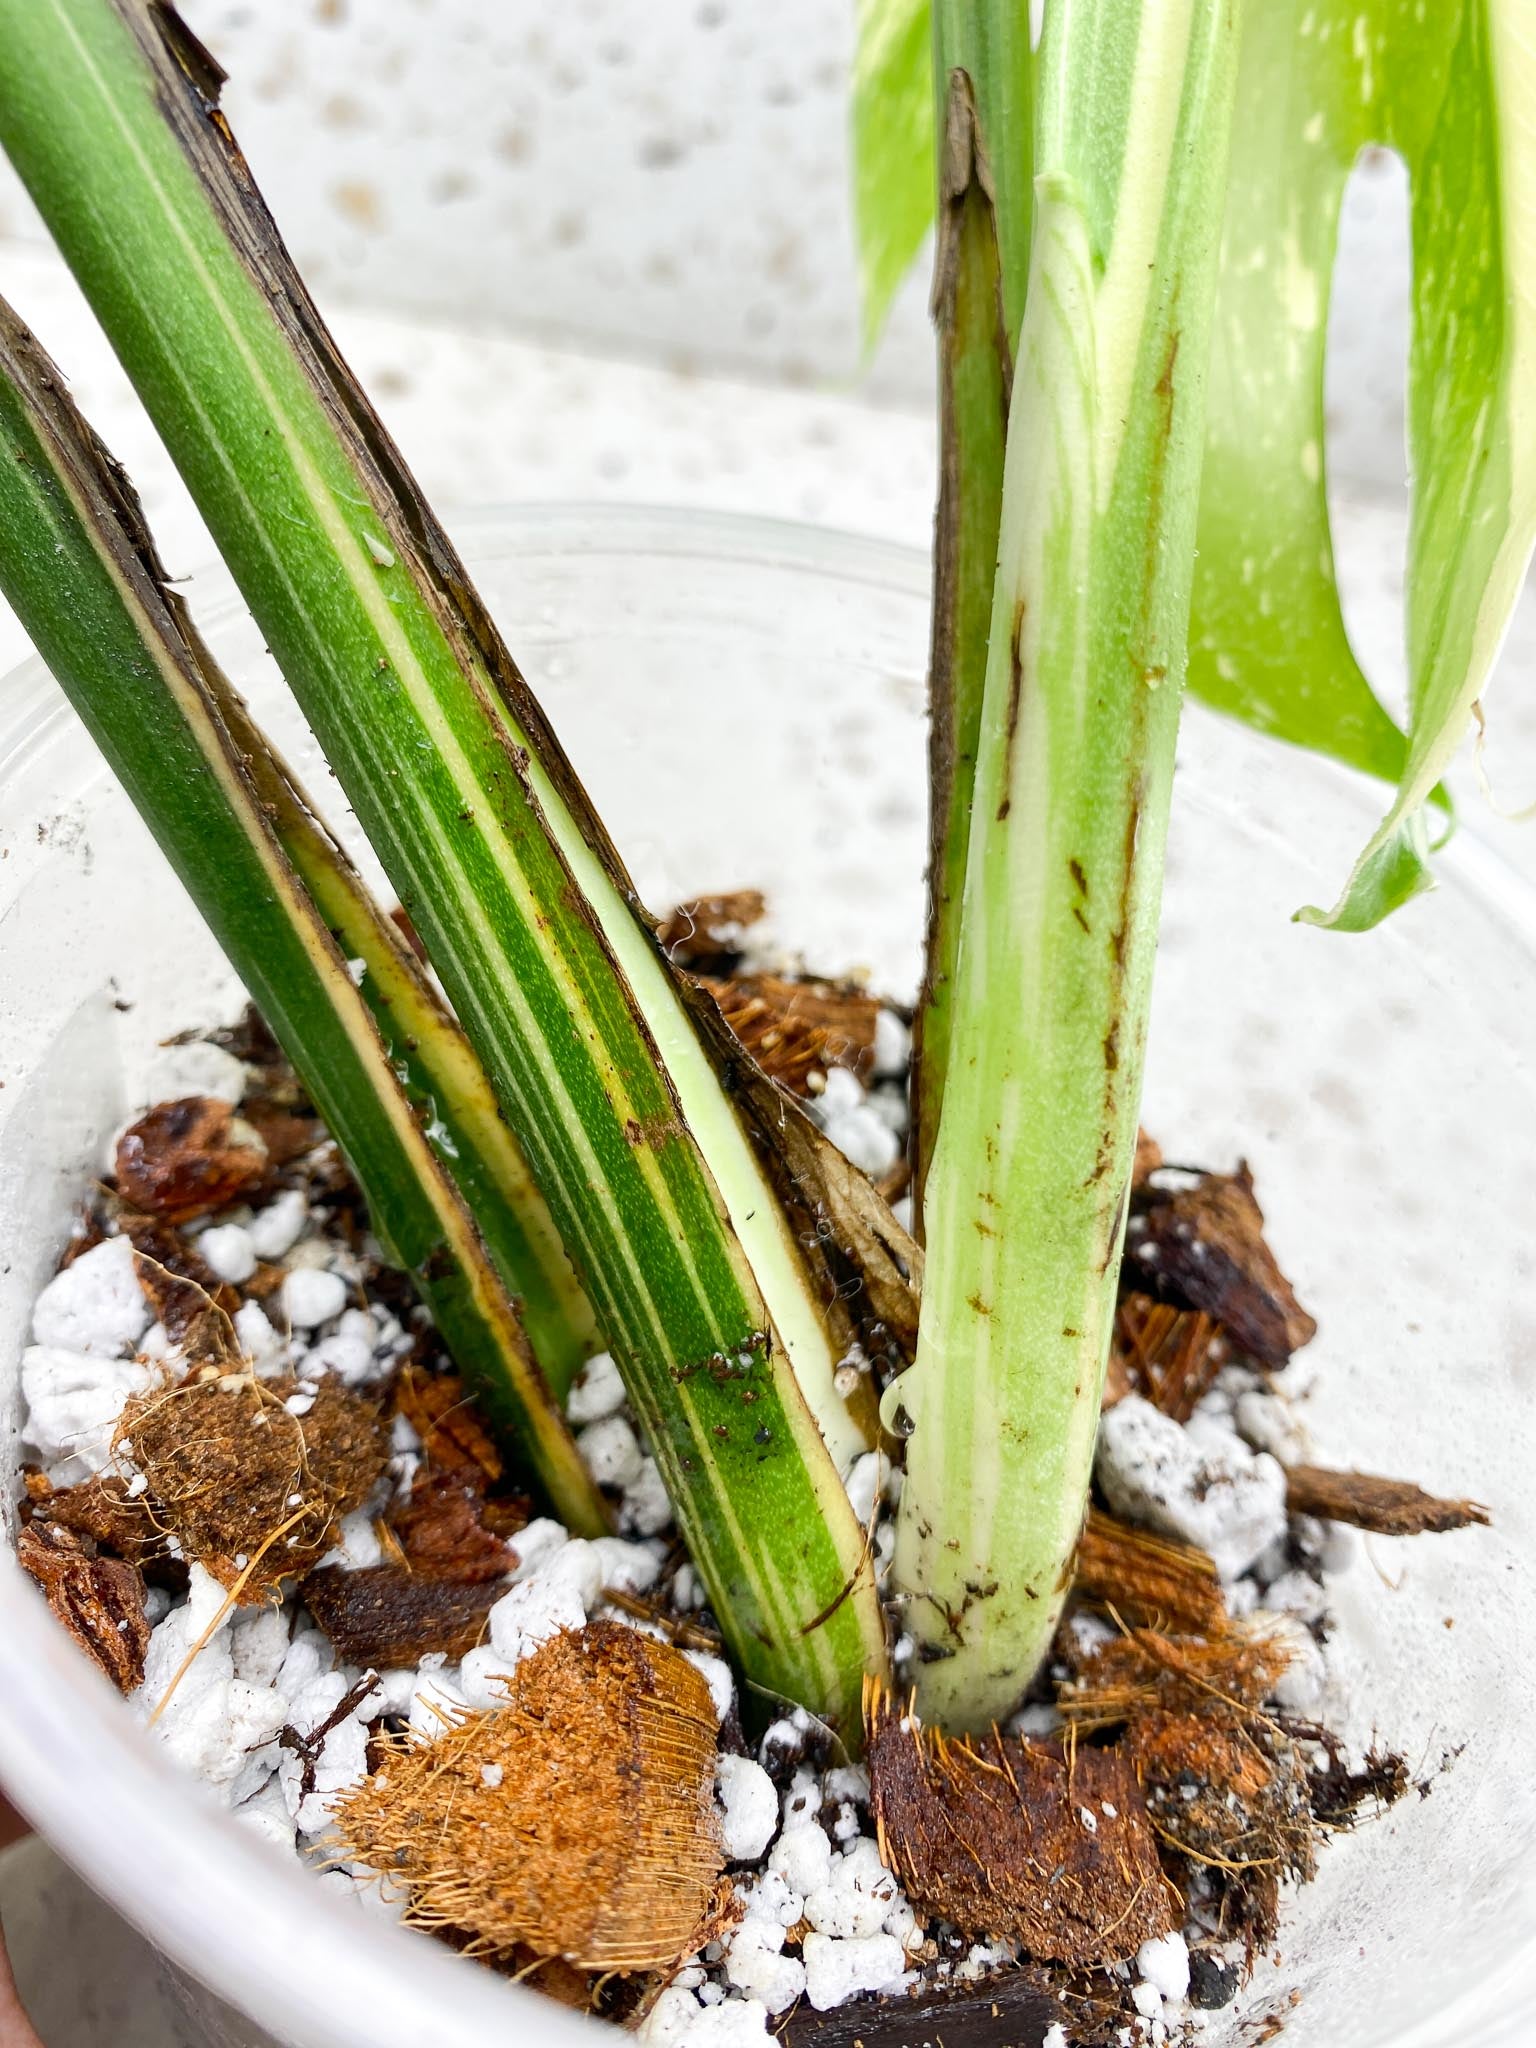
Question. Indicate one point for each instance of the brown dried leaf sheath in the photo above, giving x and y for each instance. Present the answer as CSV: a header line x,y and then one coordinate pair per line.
x,y
183,1158
1148,1580
1204,1246
99,1600
1019,1841
1387,1507
233,1473
795,1029
597,1844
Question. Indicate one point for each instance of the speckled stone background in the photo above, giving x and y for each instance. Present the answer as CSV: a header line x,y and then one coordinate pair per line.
x,y
655,179
603,251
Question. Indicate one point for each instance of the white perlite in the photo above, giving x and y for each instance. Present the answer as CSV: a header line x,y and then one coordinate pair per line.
x,y
222,1728
855,1127
1164,1963
755,1963
596,1392
1201,1483
836,1971
73,1402
611,1452
96,1305
197,1068
226,1248
277,1228
678,2020
311,1297
749,1807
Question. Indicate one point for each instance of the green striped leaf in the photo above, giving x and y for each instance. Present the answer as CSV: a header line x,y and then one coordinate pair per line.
x,y
727,1336
1025,1201
78,565
434,1062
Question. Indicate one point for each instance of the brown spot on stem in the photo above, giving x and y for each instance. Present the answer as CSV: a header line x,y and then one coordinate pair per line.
x,y
1015,693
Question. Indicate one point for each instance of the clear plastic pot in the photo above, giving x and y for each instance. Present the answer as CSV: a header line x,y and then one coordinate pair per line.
x,y
746,703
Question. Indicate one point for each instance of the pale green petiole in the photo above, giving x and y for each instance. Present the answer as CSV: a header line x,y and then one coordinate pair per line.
x,y
1026,1194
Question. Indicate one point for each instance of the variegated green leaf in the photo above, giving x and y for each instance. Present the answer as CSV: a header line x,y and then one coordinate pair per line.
x,y
1267,639
892,141
436,1065
79,567
727,1339
1452,87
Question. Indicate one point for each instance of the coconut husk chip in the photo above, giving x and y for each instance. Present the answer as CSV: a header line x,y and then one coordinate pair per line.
x,y
1146,1579
575,1821
706,933
1170,1356
1042,1843
251,1476
1226,1782
796,1029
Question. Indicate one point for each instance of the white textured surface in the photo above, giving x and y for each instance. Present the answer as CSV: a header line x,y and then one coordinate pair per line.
x,y
653,180
484,420
653,177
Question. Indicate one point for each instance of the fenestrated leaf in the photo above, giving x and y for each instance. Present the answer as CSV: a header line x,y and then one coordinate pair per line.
x,y
1452,88
79,566
1267,640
